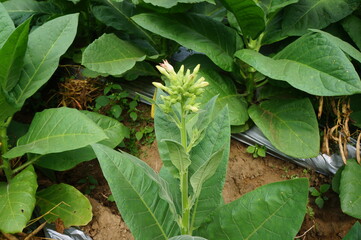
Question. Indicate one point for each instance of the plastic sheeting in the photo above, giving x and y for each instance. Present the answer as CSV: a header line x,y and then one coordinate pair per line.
x,y
69,234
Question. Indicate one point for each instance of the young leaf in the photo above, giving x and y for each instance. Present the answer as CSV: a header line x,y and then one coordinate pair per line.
x,y
249,15
57,130
12,56
324,188
206,171
195,32
62,161
65,202
271,6
41,60
354,233
6,25
352,24
17,201
7,108
178,155
142,197
312,63
319,202
290,125
264,213
305,14
216,138
111,55
350,189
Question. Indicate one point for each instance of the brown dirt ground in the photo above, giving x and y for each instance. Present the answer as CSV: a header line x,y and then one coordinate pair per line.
x,y
244,174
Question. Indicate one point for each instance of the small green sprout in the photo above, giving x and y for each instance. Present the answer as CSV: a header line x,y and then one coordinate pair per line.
x,y
319,194
257,151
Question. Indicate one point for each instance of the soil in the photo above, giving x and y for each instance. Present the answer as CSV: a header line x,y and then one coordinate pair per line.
x,y
244,174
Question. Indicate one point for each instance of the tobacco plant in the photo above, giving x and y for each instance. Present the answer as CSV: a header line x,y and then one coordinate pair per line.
x,y
269,60
56,139
185,198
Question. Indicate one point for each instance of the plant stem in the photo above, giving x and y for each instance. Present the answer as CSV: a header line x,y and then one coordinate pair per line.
x,y
4,148
184,179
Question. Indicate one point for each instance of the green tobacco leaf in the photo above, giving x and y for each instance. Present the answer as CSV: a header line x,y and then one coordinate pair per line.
x,y
249,15
118,15
354,233
305,14
290,125
17,201
20,10
57,130
140,69
141,195
62,161
199,33
350,189
264,213
12,56
206,171
7,109
65,202
170,4
186,237
6,25
109,54
41,60
178,155
223,87
216,139
313,64
344,46
271,6
351,25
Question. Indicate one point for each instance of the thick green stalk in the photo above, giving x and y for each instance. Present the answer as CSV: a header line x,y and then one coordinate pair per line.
x,y
4,148
184,180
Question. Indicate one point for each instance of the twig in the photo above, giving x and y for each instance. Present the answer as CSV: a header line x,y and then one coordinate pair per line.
x,y
9,236
35,231
304,234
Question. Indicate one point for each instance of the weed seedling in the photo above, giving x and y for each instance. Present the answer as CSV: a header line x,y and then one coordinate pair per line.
x,y
257,151
319,194
90,184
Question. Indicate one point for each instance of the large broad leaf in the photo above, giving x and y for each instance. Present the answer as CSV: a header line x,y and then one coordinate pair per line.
x,y
20,10
196,32
17,201
62,161
249,15
350,189
313,63
352,24
264,213
344,46
222,86
305,14
118,15
58,130
7,109
215,143
6,25
12,56
65,202
290,125
354,233
141,195
271,6
111,55
45,46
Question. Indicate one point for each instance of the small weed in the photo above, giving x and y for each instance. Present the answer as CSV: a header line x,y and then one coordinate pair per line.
x,y
257,151
90,183
319,194
310,212
111,198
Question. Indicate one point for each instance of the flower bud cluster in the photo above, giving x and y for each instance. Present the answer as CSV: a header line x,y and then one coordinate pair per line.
x,y
183,88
